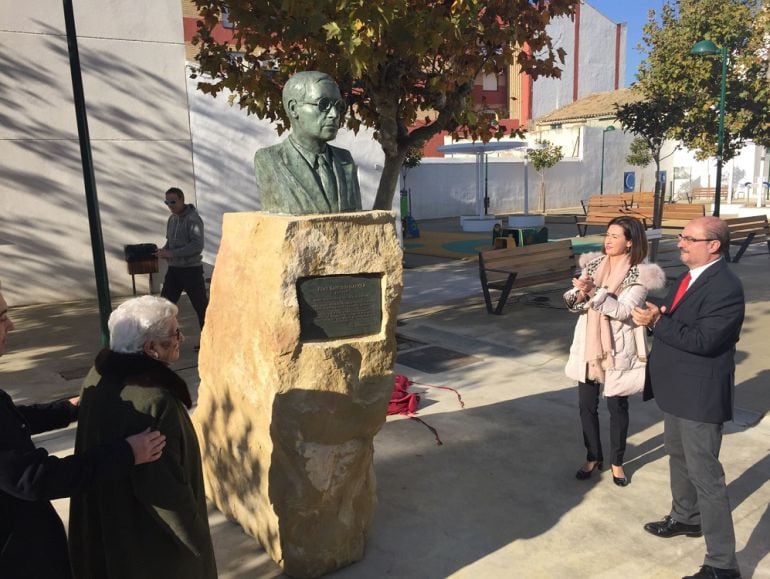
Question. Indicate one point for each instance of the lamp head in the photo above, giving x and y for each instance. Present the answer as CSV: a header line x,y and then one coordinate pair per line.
x,y
608,129
704,48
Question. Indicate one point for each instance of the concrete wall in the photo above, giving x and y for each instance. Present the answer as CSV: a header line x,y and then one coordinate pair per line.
x,y
447,187
132,57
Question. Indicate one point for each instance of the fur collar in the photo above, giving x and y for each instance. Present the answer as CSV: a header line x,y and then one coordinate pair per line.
x,y
650,275
140,370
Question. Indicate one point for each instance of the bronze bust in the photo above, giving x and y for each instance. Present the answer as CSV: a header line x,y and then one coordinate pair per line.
x,y
303,173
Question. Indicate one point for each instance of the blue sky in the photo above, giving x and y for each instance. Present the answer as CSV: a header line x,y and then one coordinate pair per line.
x,y
634,14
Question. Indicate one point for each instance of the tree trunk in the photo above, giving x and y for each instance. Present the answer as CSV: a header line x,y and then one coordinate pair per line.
x,y
657,211
541,198
388,182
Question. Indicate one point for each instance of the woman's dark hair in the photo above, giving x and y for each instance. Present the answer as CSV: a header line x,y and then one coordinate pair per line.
x,y
633,230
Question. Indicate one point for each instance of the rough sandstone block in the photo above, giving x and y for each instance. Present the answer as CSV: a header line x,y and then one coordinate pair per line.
x,y
286,424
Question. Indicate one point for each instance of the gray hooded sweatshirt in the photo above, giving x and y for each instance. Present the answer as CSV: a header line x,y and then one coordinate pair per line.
x,y
184,237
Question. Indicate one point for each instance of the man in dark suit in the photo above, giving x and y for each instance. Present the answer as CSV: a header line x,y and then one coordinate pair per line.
x,y
691,374
303,174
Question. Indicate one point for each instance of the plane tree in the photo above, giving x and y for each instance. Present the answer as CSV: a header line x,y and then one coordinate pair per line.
x,y
406,68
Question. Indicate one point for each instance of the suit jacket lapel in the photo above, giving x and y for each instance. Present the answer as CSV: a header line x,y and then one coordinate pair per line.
x,y
343,171
305,179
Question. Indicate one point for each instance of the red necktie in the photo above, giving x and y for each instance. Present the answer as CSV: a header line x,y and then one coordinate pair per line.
x,y
680,291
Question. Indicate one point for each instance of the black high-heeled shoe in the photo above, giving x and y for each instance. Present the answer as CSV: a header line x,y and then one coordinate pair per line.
x,y
621,481
585,474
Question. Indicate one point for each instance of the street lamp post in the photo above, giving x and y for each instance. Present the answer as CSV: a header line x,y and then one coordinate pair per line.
x,y
708,48
601,182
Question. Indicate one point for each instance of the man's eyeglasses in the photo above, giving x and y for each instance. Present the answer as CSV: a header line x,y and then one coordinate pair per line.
x,y
167,202
325,104
688,239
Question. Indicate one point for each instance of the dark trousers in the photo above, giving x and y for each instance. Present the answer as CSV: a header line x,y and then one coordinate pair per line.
x,y
588,393
698,489
190,280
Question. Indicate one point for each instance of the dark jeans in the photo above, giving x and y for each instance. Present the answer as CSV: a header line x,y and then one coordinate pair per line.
x,y
190,280
588,394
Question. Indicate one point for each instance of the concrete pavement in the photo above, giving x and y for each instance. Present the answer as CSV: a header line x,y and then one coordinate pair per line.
x,y
499,497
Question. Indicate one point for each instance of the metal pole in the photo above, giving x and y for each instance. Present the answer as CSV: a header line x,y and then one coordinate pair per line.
x,y
601,183
526,183
92,202
486,184
721,134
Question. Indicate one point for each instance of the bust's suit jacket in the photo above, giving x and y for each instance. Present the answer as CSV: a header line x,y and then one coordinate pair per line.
x,y
691,369
288,184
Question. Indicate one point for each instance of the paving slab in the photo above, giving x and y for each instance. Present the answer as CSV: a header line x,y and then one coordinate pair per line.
x,y
498,498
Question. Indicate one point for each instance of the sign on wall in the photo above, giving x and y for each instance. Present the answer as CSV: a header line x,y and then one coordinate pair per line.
x,y
629,181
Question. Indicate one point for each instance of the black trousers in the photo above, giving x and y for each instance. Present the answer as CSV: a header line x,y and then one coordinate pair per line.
x,y
190,280
588,393
698,487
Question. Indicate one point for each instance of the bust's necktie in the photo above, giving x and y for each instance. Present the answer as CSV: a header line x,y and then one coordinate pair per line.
x,y
328,182
680,291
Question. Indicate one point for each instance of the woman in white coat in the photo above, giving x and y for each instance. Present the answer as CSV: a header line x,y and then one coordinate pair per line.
x,y
608,351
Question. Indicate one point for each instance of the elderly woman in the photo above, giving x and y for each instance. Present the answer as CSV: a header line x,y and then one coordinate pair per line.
x,y
608,352
32,538
154,524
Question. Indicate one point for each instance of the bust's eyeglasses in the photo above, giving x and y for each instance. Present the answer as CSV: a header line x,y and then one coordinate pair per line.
x,y
687,239
324,104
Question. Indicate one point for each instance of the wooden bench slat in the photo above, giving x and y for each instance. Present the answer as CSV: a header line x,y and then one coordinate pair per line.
x,y
747,230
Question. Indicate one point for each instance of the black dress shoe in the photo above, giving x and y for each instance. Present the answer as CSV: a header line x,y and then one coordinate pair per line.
x,y
709,572
668,527
621,481
585,474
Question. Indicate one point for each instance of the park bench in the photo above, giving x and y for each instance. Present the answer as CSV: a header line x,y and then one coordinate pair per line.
x,y
706,193
675,215
611,200
747,230
602,208
642,199
514,267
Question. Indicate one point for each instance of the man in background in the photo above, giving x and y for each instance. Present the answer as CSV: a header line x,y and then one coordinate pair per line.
x,y
183,249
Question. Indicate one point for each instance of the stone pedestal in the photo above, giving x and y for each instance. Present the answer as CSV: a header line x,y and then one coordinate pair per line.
x,y
296,372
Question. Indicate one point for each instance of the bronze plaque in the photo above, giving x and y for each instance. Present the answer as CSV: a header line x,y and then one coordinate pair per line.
x,y
339,306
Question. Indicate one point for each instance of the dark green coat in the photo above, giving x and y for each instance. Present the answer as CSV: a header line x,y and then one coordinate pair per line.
x,y
153,523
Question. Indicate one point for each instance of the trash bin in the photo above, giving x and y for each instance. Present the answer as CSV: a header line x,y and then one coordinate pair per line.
x,y
141,259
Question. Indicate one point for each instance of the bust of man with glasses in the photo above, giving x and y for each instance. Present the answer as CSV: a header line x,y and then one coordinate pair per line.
x,y
304,174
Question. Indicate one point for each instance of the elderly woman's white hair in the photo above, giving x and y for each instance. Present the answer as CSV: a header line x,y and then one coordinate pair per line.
x,y
140,320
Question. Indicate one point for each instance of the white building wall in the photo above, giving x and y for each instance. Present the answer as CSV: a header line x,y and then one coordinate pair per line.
x,y
549,94
447,187
132,59
596,54
741,175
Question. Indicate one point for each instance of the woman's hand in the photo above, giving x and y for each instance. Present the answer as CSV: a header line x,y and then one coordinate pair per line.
x,y
584,284
147,445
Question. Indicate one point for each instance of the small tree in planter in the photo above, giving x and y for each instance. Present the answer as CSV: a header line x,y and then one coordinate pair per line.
x,y
543,158
639,155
